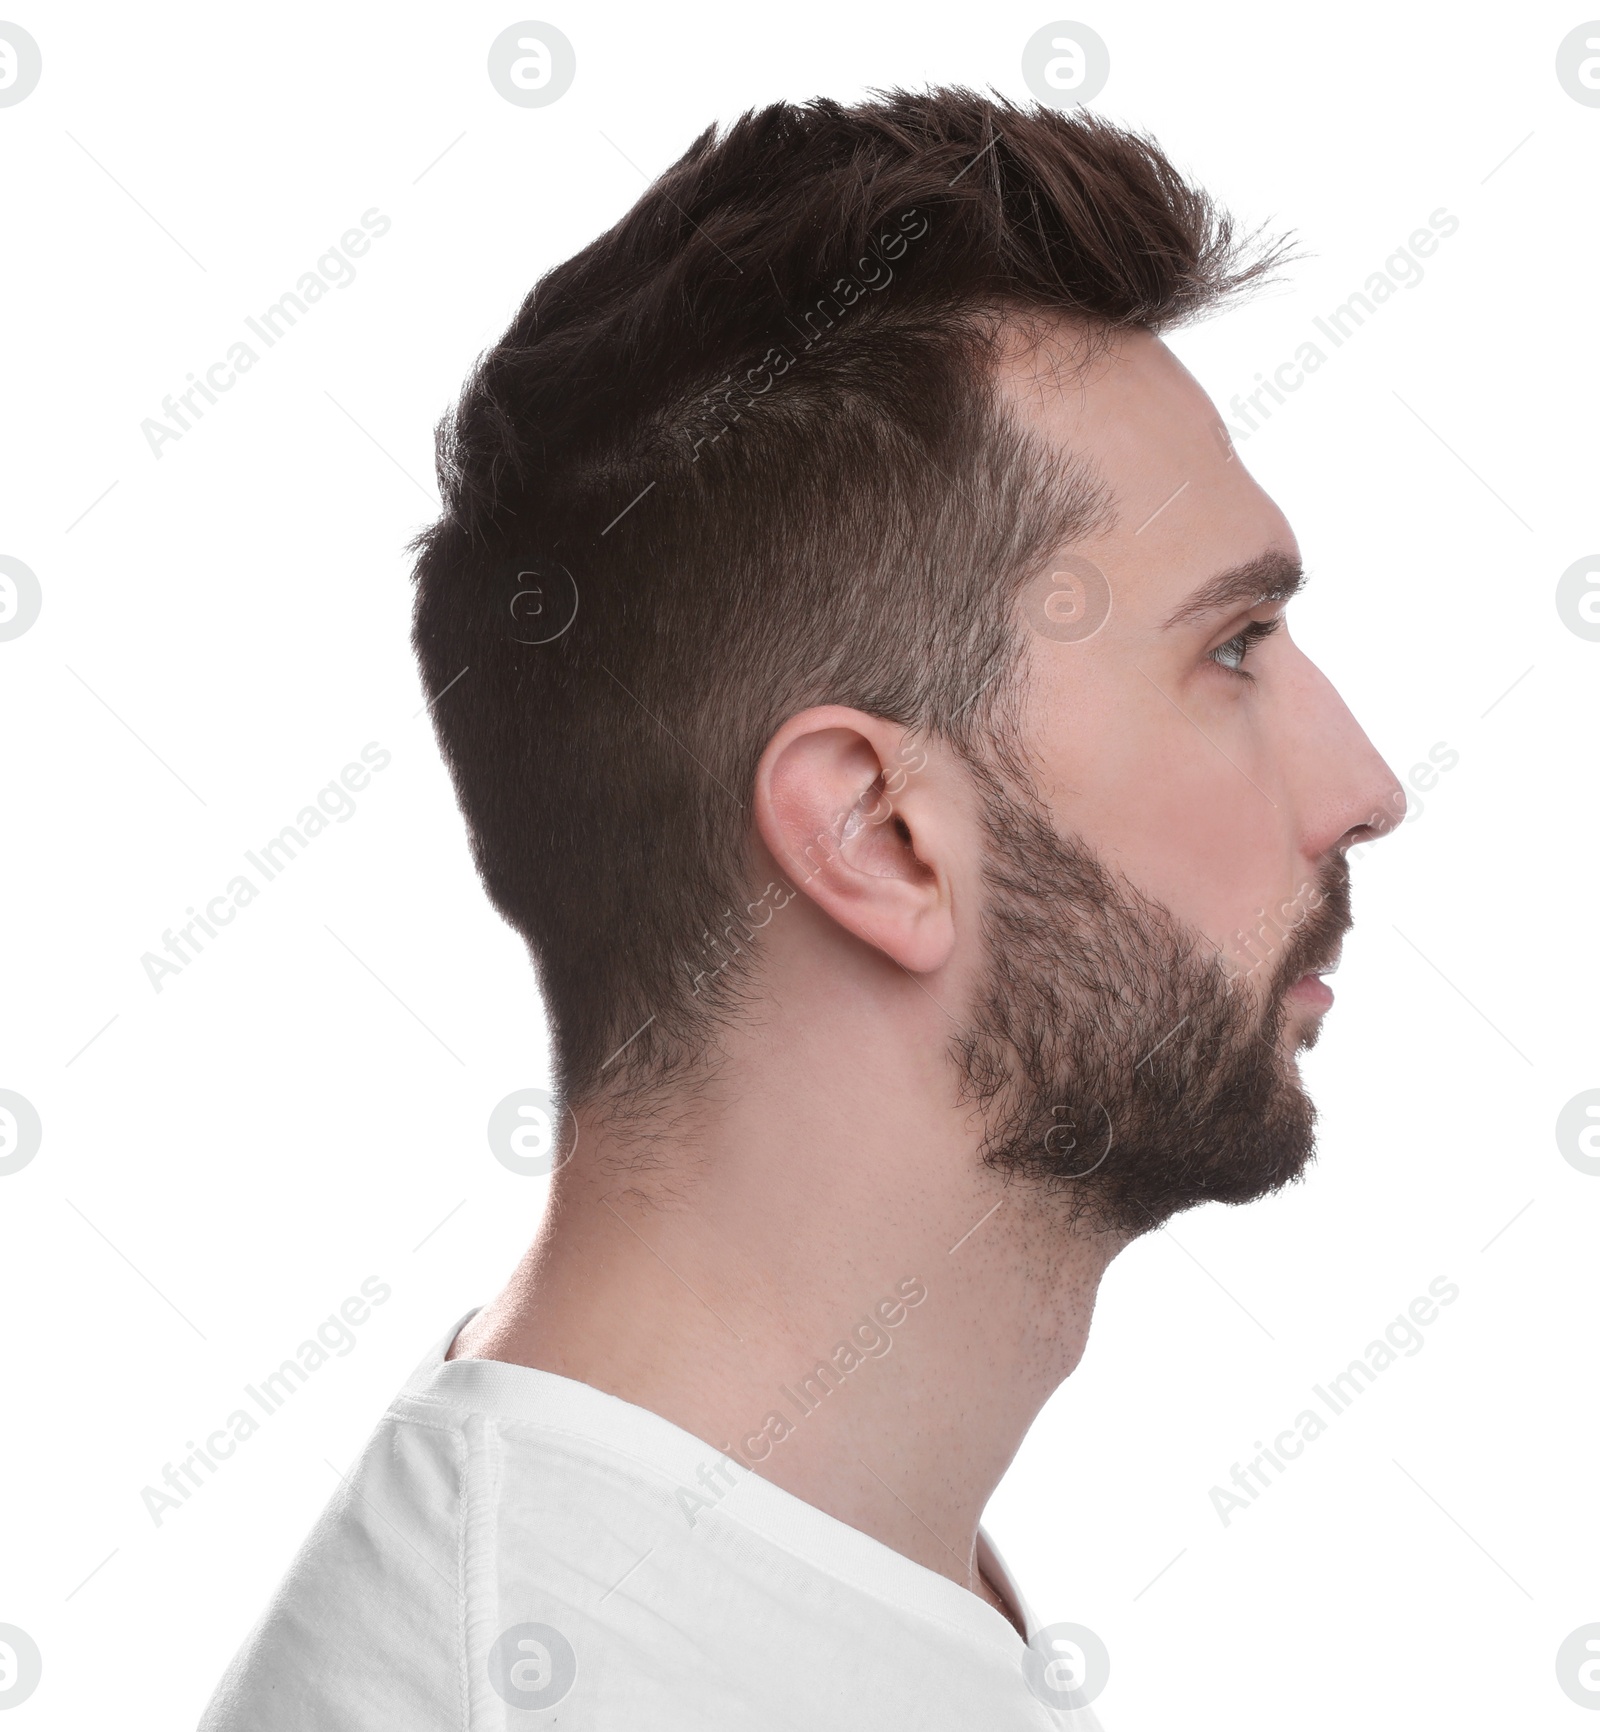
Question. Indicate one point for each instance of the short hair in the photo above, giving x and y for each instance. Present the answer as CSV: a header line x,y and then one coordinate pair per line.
x,y
744,454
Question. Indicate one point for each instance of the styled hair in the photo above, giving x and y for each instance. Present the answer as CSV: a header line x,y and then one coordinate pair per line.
x,y
744,454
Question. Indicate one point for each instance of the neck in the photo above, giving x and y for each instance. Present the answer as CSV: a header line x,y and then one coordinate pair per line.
x,y
847,1302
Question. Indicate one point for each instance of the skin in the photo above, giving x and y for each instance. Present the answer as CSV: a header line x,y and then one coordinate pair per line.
x,y
829,1160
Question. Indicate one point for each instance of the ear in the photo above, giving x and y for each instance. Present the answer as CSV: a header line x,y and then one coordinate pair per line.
x,y
846,804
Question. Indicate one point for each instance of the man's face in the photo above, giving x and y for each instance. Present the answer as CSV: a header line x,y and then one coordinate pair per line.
x,y
1156,932
1188,741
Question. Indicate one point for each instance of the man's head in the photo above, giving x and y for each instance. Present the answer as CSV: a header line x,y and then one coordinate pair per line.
x,y
840,587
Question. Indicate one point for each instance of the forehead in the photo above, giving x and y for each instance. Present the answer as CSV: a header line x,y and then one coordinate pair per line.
x,y
1184,505
1122,393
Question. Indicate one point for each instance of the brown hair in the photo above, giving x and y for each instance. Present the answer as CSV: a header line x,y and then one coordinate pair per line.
x,y
741,455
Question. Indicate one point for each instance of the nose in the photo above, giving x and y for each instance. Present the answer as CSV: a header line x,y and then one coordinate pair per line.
x,y
1348,794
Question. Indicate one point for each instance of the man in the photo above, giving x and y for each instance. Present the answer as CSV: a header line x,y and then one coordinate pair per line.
x,y
860,656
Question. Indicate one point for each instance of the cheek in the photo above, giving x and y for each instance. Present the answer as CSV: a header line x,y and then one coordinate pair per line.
x,y
1204,842
1165,807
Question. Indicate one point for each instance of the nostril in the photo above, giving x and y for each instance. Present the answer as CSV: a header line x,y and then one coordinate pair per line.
x,y
1380,822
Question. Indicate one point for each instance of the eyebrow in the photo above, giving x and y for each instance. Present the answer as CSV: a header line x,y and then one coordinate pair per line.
x,y
1271,576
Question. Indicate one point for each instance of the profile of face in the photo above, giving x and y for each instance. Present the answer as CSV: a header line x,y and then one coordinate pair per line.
x,y
1163,901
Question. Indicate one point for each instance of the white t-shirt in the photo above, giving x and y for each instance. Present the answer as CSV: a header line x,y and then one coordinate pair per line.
x,y
513,1540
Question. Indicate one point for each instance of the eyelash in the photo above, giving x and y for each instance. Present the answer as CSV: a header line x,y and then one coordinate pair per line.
x,y
1242,642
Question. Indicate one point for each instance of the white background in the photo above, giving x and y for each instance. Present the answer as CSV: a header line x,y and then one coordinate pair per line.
x,y
304,1106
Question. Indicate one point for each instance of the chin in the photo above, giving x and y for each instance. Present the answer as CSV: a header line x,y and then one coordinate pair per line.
x,y
1308,1031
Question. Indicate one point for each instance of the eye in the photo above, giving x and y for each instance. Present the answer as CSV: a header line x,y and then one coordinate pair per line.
x,y
1231,655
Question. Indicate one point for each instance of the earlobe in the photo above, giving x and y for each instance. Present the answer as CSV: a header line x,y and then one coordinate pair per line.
x,y
858,835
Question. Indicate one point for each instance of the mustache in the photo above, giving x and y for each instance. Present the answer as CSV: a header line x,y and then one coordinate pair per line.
x,y
1314,941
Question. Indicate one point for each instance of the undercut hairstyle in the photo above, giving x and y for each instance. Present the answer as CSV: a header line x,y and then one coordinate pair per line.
x,y
745,454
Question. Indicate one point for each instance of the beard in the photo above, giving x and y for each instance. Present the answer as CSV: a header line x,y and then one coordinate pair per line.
x,y
1115,1061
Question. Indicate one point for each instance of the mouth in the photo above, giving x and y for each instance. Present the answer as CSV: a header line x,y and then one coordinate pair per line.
x,y
1312,990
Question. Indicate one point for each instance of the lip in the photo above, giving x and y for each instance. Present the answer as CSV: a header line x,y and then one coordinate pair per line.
x,y
1312,991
